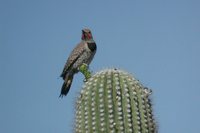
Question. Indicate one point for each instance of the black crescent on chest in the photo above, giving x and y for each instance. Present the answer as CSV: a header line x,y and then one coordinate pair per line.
x,y
92,46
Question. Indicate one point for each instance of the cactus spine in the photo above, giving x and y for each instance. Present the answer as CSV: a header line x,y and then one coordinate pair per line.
x,y
112,101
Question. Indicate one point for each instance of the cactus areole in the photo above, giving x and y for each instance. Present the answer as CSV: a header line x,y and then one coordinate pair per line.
x,y
112,101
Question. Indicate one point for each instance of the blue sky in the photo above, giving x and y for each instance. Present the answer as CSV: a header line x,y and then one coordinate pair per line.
x,y
157,41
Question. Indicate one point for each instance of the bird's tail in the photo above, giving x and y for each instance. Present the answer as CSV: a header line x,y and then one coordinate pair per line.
x,y
66,85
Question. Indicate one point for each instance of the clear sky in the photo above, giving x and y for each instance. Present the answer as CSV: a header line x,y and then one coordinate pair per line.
x,y
157,41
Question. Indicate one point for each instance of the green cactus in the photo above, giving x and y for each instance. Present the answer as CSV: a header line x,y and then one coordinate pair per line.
x,y
112,101
85,71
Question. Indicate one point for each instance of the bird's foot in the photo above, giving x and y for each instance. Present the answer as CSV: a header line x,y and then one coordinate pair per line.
x,y
84,69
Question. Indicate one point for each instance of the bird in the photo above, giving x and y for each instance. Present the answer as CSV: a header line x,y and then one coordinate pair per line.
x,y
83,53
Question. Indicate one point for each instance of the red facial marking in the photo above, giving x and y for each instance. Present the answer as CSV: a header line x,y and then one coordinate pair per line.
x,y
82,37
86,36
89,36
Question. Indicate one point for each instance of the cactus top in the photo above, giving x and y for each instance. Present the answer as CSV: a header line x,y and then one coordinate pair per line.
x,y
114,101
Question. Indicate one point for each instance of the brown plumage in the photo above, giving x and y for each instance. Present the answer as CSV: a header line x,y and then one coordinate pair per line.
x,y
82,53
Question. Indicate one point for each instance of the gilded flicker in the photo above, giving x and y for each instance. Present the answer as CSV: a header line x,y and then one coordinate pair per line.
x,y
83,53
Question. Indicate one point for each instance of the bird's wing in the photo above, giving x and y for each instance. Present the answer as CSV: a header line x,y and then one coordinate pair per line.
x,y
75,54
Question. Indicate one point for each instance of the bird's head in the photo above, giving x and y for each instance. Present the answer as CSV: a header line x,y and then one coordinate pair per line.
x,y
86,35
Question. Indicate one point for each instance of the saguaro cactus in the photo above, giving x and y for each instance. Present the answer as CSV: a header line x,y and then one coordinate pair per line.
x,y
112,101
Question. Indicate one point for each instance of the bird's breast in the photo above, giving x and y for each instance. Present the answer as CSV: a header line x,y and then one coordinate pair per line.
x,y
92,46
